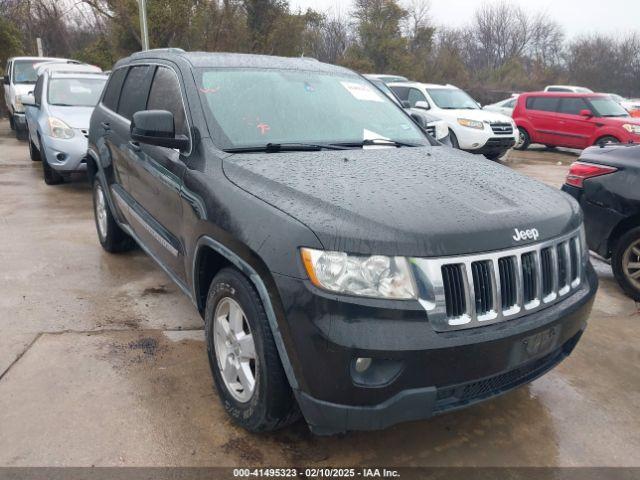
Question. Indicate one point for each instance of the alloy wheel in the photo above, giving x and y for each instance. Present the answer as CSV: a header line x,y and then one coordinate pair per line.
x,y
101,211
631,264
235,349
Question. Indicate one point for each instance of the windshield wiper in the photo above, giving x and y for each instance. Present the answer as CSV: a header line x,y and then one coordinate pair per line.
x,y
286,147
379,142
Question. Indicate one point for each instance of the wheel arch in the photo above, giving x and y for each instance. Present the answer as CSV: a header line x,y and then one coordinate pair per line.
x,y
620,229
211,253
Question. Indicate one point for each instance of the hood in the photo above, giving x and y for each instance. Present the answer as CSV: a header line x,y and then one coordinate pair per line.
x,y
479,115
75,117
427,116
421,202
23,88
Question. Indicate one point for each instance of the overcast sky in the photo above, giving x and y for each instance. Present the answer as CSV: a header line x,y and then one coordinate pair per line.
x,y
576,16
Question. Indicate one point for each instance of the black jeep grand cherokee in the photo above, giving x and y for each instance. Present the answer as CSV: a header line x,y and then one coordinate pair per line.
x,y
346,268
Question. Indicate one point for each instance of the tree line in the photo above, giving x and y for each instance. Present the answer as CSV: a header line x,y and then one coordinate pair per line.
x,y
502,49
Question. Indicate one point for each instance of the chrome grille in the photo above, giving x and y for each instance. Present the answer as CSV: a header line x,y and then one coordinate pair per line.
x,y
475,290
502,128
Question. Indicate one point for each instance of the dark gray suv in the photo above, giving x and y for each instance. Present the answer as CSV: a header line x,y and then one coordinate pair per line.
x,y
348,268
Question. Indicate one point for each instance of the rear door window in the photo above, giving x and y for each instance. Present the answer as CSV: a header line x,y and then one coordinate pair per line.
x,y
165,95
112,92
543,104
135,91
572,106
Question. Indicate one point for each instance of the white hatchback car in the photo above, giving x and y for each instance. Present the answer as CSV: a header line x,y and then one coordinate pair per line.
x,y
471,128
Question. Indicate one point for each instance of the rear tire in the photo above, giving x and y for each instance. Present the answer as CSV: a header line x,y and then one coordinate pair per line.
x,y
625,262
112,238
12,125
604,140
254,389
524,141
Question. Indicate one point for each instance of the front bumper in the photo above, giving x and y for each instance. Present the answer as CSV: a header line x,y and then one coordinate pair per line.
x,y
496,145
66,155
418,372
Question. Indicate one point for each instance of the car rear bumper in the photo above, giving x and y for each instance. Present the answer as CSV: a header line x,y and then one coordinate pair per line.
x,y
599,221
66,155
416,372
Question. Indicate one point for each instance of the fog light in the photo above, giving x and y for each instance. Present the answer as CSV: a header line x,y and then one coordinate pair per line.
x,y
61,157
362,364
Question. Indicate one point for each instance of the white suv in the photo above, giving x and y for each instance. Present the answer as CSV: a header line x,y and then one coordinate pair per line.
x,y
471,128
19,79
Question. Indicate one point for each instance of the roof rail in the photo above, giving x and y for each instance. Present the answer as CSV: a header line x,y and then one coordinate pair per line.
x,y
158,50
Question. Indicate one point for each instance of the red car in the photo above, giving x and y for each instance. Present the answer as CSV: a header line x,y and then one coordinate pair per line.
x,y
573,120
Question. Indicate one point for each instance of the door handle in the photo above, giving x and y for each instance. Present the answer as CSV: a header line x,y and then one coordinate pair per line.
x,y
133,145
105,125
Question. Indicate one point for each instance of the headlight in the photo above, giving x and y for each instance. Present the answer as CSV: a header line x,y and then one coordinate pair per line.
x,y
59,129
366,276
19,107
631,128
465,122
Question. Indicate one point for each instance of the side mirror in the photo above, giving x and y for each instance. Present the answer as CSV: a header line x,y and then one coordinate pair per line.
x,y
406,104
28,100
586,113
420,120
423,105
5,79
156,127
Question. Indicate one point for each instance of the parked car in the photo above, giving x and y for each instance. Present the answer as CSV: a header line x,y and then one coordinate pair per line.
x,y
344,268
470,128
505,107
387,78
632,105
435,127
567,89
605,182
57,117
19,79
572,120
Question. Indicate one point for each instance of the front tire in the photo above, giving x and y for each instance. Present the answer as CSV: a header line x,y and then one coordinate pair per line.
x,y
601,142
626,263
51,177
34,153
454,140
112,238
244,361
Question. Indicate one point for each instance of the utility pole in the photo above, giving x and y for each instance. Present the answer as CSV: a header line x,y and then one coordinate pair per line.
x,y
39,45
144,33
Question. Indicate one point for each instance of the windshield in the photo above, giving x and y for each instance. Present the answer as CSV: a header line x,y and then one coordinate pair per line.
x,y
23,71
252,107
384,88
75,92
452,98
605,107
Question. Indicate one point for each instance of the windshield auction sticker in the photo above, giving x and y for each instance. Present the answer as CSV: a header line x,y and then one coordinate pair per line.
x,y
362,92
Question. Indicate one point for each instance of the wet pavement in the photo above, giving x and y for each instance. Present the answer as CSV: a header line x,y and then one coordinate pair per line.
x,y
102,362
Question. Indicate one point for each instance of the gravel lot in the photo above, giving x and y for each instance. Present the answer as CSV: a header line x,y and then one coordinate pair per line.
x,y
102,362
